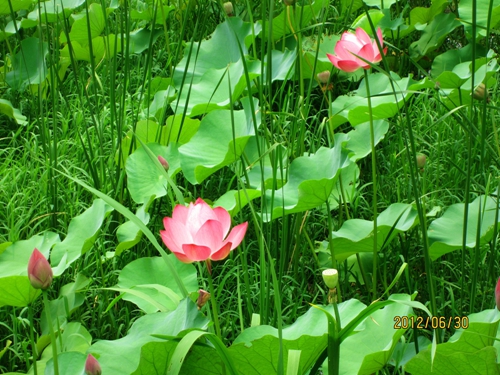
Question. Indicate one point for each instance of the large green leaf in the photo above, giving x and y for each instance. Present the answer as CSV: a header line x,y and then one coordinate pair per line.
x,y
311,180
128,233
448,60
215,88
385,103
28,64
83,230
445,233
143,273
162,13
91,23
51,11
455,84
215,145
298,17
469,351
199,57
122,356
434,35
482,16
234,200
145,179
356,235
6,108
257,152
5,5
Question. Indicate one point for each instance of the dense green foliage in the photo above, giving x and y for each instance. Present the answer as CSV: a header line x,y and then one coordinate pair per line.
x,y
93,91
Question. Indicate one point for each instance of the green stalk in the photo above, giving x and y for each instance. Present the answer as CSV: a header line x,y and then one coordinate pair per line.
x,y
213,301
374,178
32,340
51,330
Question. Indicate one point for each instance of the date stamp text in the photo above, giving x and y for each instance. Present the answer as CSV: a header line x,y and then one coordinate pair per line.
x,y
434,322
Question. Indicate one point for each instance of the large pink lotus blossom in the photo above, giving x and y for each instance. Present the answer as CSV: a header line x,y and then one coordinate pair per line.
x,y
198,232
39,271
359,44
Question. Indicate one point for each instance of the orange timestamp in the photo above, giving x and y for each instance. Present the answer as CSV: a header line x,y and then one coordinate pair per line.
x,y
431,322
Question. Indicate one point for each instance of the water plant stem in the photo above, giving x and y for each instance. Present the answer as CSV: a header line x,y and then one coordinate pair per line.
x,y
213,301
374,178
48,315
32,340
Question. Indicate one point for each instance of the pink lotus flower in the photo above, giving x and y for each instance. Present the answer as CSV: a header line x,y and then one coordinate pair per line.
x,y
39,271
497,294
198,232
359,44
92,366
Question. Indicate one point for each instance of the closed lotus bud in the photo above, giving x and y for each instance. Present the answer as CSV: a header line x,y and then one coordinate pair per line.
x,y
323,77
497,294
92,367
163,162
480,92
421,160
203,297
228,8
39,271
331,278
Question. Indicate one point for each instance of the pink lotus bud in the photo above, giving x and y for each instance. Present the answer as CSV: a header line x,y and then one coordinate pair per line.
x,y
228,8
323,77
497,294
92,367
203,297
39,271
163,162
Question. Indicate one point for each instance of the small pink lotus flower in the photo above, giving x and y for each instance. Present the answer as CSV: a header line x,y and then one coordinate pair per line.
x,y
92,367
358,44
198,232
497,294
39,271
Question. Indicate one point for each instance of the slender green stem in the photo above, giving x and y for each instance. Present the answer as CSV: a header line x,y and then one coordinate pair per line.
x,y
213,301
374,178
48,315
32,339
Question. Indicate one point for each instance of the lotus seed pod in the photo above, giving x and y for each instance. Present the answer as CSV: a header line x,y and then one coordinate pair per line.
x,y
331,278
421,160
228,8
480,92
289,2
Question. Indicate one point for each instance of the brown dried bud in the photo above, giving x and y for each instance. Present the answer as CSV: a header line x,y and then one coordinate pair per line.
x,y
323,77
203,297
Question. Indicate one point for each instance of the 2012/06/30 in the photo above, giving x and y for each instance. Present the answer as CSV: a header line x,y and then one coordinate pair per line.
x,y
434,322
